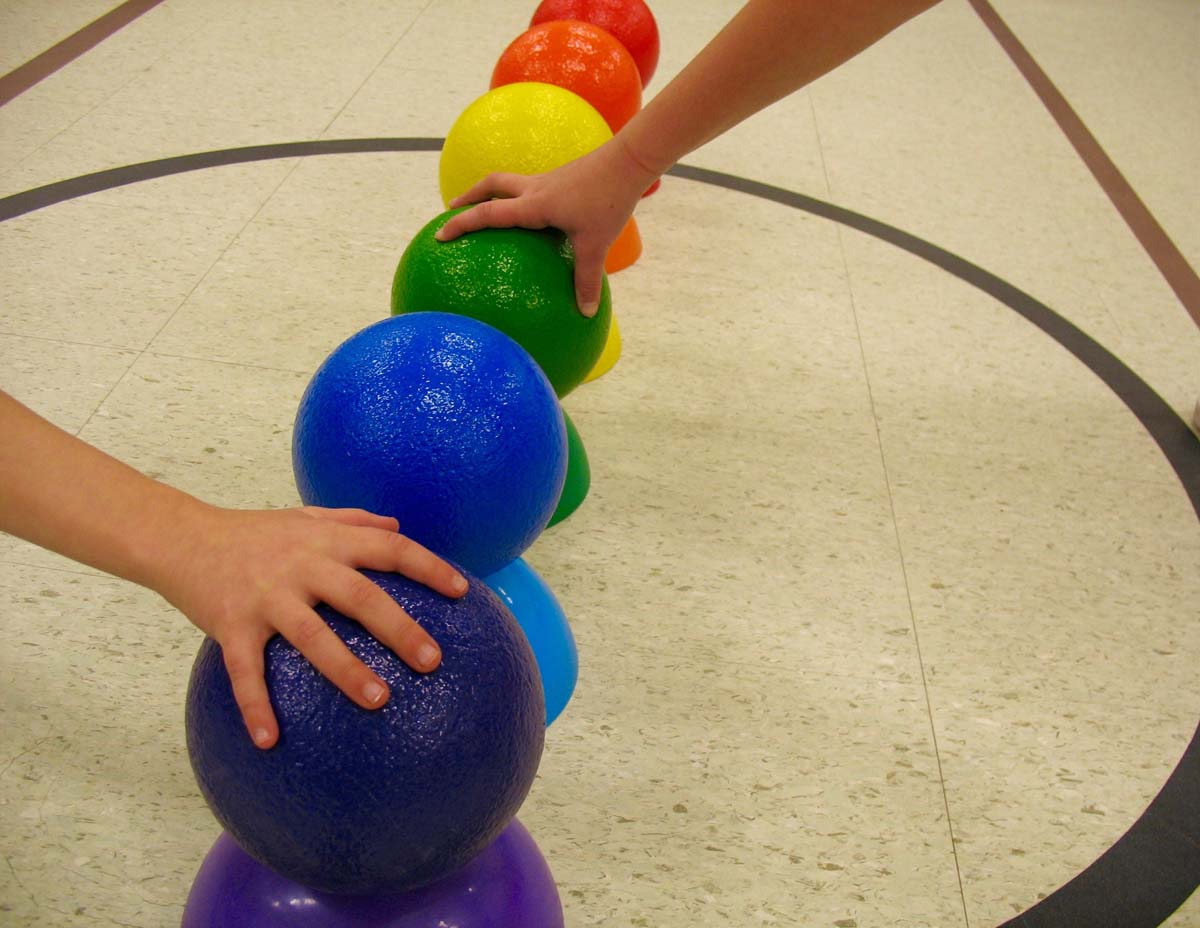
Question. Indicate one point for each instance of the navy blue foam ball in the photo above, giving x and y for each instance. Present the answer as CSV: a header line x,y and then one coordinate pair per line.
x,y
443,422
358,801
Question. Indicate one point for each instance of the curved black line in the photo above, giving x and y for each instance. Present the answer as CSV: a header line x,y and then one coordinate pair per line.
x,y
40,197
1154,867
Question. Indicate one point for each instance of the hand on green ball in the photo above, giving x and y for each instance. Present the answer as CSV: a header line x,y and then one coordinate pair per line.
x,y
590,199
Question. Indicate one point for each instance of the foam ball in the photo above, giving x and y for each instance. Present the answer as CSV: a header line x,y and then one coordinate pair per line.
x,y
521,281
523,128
580,57
358,801
609,356
629,20
579,476
444,423
542,619
509,884
625,249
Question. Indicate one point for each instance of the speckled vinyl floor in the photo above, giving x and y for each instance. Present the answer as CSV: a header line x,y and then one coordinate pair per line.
x,y
887,591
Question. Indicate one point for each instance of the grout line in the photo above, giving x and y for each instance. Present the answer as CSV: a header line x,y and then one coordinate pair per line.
x,y
907,585
1171,263
148,349
34,71
962,895
350,99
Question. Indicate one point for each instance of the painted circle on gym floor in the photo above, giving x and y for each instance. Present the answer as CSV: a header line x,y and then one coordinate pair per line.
x,y
1155,866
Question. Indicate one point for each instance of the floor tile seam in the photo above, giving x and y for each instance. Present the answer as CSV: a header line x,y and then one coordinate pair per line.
x,y
151,352
233,239
899,544
143,352
25,336
375,70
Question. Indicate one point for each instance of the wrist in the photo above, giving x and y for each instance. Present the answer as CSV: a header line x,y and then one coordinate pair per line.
x,y
641,169
164,542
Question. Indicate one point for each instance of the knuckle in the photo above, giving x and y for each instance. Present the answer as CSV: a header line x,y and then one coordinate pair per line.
x,y
238,665
252,705
308,631
404,547
361,593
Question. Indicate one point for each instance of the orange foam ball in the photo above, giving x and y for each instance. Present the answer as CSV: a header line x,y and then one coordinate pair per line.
x,y
625,250
580,57
629,20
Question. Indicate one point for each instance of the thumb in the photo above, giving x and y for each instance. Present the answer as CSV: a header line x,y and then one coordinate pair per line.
x,y
589,279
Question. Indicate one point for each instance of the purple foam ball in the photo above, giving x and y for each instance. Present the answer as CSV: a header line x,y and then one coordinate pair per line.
x,y
509,885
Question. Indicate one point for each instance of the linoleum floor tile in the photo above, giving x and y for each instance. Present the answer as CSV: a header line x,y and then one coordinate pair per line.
x,y
792,796
102,141
219,431
93,77
30,28
1056,587
1131,83
283,297
111,277
26,126
1037,790
952,367
262,65
96,798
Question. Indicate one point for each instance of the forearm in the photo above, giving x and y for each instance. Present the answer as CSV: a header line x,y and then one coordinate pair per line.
x,y
770,49
66,495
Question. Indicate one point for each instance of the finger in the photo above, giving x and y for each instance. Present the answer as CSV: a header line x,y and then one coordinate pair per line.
x,y
589,279
313,638
399,554
494,185
245,665
355,595
356,517
493,214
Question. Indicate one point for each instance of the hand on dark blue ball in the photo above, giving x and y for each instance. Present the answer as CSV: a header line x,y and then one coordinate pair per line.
x,y
244,576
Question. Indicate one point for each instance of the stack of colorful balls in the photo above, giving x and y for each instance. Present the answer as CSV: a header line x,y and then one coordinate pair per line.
x,y
447,416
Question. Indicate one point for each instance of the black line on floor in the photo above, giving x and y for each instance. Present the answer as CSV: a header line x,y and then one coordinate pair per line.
x,y
40,197
1154,867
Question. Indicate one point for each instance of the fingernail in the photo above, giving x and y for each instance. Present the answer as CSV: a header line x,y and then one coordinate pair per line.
x,y
459,584
589,309
440,235
261,737
427,655
374,693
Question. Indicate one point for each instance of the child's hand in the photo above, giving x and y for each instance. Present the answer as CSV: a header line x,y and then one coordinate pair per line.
x,y
590,199
243,576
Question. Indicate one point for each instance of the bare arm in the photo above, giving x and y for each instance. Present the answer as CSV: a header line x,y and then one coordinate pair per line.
x,y
770,49
241,577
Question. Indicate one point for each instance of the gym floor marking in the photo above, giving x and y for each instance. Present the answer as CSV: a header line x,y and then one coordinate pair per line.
x,y
1155,866
35,70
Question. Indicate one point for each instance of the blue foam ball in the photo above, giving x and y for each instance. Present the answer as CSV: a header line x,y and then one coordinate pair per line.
x,y
357,801
540,616
443,422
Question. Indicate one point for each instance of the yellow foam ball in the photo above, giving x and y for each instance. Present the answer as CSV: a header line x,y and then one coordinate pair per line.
x,y
522,128
610,354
